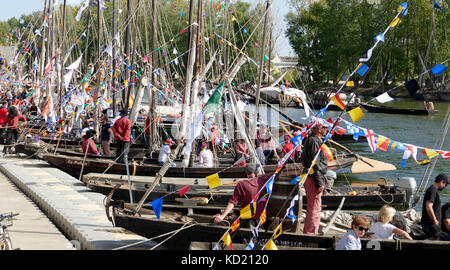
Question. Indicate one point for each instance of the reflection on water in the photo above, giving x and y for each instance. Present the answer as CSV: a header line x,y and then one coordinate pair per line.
x,y
419,130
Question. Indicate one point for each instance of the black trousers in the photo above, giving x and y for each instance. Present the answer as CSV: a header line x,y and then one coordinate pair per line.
x,y
122,151
11,137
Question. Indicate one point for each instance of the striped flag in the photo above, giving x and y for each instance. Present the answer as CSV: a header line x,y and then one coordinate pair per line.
x,y
227,240
327,152
337,100
383,143
263,217
235,225
250,246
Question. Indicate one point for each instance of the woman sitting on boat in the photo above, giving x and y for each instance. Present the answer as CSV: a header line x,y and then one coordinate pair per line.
x,y
267,143
206,157
383,229
89,144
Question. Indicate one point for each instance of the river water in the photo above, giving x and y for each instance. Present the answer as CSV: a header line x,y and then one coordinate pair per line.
x,y
418,130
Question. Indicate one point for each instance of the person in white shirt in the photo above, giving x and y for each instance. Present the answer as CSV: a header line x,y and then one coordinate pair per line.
x,y
164,152
382,229
206,157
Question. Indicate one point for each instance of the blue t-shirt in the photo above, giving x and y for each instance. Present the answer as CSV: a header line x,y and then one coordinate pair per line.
x,y
106,136
349,242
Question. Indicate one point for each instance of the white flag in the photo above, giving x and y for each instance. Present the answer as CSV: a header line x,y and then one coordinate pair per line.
x,y
68,78
369,55
383,98
75,64
80,11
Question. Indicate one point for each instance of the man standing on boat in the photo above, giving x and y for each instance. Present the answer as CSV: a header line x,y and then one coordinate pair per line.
x,y
315,183
121,129
431,206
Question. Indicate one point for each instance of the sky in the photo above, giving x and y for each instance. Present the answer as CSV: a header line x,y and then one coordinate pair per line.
x,y
15,8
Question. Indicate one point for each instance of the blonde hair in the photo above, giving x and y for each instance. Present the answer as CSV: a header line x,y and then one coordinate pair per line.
x,y
386,213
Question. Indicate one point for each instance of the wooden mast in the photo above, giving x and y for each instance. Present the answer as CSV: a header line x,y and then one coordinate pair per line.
x,y
152,105
260,71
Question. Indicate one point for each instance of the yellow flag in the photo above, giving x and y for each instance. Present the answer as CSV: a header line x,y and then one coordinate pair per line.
x,y
227,240
356,114
395,22
350,83
278,232
213,181
248,211
431,153
270,245
233,18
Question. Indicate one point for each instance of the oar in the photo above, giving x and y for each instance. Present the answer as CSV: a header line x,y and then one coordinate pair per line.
x,y
364,164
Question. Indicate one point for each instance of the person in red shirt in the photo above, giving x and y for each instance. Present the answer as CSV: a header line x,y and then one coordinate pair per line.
x,y
245,192
89,144
122,129
12,122
241,151
288,146
3,114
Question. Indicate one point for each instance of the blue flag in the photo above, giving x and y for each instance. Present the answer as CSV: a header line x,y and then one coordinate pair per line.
x,y
362,69
157,206
380,37
439,69
436,5
297,140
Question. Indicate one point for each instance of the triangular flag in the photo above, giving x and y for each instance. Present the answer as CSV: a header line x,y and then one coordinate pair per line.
x,y
380,37
405,157
227,240
213,180
248,211
183,190
233,18
430,153
395,22
356,114
278,231
445,154
270,245
157,206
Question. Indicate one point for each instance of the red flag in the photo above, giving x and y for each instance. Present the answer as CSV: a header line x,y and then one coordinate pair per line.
x,y
183,190
341,131
235,224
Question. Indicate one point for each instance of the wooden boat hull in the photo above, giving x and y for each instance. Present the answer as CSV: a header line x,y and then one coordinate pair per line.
x,y
99,165
150,227
368,197
385,109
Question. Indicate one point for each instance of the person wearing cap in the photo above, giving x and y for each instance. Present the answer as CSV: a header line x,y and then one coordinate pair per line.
x,y
121,129
431,206
315,183
206,157
89,144
164,152
245,192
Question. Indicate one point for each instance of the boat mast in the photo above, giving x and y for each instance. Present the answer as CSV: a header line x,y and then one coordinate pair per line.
x,y
151,97
260,71
113,60
61,59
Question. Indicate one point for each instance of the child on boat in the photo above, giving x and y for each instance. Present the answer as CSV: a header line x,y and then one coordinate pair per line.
x,y
351,240
383,229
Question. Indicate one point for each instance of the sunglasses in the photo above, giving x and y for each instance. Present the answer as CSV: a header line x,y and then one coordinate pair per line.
x,y
363,229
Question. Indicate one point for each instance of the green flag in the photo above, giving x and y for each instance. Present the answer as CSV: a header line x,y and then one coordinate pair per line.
x,y
214,101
